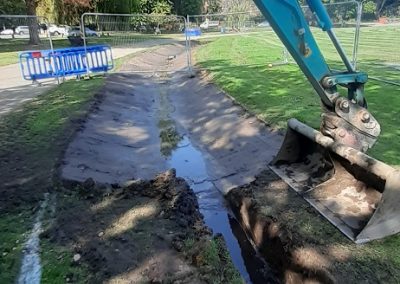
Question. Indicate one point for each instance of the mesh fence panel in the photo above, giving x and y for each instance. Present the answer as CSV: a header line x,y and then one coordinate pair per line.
x,y
371,45
379,50
20,33
225,23
233,30
344,19
145,43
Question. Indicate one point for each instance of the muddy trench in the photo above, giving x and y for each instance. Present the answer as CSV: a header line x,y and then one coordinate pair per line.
x,y
190,163
151,123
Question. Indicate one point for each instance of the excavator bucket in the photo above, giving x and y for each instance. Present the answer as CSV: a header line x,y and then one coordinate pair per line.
x,y
358,194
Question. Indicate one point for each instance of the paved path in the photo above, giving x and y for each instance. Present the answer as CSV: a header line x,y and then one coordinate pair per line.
x,y
14,90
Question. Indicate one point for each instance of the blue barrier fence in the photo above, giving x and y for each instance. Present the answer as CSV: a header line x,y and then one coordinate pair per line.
x,y
42,64
193,32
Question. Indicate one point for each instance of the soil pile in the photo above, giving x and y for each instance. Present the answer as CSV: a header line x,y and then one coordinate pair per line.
x,y
140,231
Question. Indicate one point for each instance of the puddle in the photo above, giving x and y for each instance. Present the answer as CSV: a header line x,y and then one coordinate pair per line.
x,y
169,136
190,164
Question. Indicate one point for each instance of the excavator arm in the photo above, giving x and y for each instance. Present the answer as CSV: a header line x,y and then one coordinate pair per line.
x,y
329,169
346,120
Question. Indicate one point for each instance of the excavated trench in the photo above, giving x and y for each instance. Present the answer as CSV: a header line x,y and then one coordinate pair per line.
x,y
191,164
148,124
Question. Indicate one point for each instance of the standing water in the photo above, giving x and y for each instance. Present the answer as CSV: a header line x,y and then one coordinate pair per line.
x,y
190,164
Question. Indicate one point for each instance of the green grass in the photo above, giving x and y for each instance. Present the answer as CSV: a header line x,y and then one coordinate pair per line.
x,y
7,58
12,227
377,261
44,118
213,254
37,133
239,65
10,48
58,265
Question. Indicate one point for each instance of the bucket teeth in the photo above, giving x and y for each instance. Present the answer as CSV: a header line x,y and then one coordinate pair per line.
x,y
356,193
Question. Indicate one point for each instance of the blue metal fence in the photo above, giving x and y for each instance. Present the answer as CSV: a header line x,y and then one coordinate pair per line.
x,y
42,64
193,32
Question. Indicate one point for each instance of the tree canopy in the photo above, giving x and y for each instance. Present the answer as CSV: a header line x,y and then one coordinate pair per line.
x,y
69,11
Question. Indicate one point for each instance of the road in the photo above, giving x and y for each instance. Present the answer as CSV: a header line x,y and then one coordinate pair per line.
x,y
14,90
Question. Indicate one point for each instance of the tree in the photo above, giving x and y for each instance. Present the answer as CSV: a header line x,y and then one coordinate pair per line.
x,y
214,7
234,6
380,5
73,9
155,7
12,7
386,7
31,6
161,8
117,7
191,7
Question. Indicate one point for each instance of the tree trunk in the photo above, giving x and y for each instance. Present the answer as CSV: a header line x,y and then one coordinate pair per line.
x,y
380,4
32,22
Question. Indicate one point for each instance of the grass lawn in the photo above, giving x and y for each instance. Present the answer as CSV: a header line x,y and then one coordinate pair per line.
x,y
239,65
32,140
10,48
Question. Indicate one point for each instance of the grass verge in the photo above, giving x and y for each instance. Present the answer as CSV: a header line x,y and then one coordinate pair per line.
x,y
32,140
213,253
13,228
239,65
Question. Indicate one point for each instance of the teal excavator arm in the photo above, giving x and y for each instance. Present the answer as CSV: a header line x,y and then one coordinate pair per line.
x,y
346,120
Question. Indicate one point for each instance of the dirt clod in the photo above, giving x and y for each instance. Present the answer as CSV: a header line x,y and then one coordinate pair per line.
x,y
76,257
89,184
125,236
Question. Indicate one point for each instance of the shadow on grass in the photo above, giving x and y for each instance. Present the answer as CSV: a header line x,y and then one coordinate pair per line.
x,y
279,93
134,235
33,137
303,245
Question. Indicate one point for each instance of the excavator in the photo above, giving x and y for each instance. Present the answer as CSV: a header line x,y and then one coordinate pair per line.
x,y
329,168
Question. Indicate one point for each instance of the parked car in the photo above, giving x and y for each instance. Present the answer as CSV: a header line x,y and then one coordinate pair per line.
x,y
7,32
264,24
76,31
209,24
57,30
22,30
142,29
89,32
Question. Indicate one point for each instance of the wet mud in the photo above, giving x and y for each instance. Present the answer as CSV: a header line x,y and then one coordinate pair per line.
x,y
149,123
259,208
140,232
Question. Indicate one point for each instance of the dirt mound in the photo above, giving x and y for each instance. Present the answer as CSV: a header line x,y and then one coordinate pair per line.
x,y
299,243
261,208
167,57
140,231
